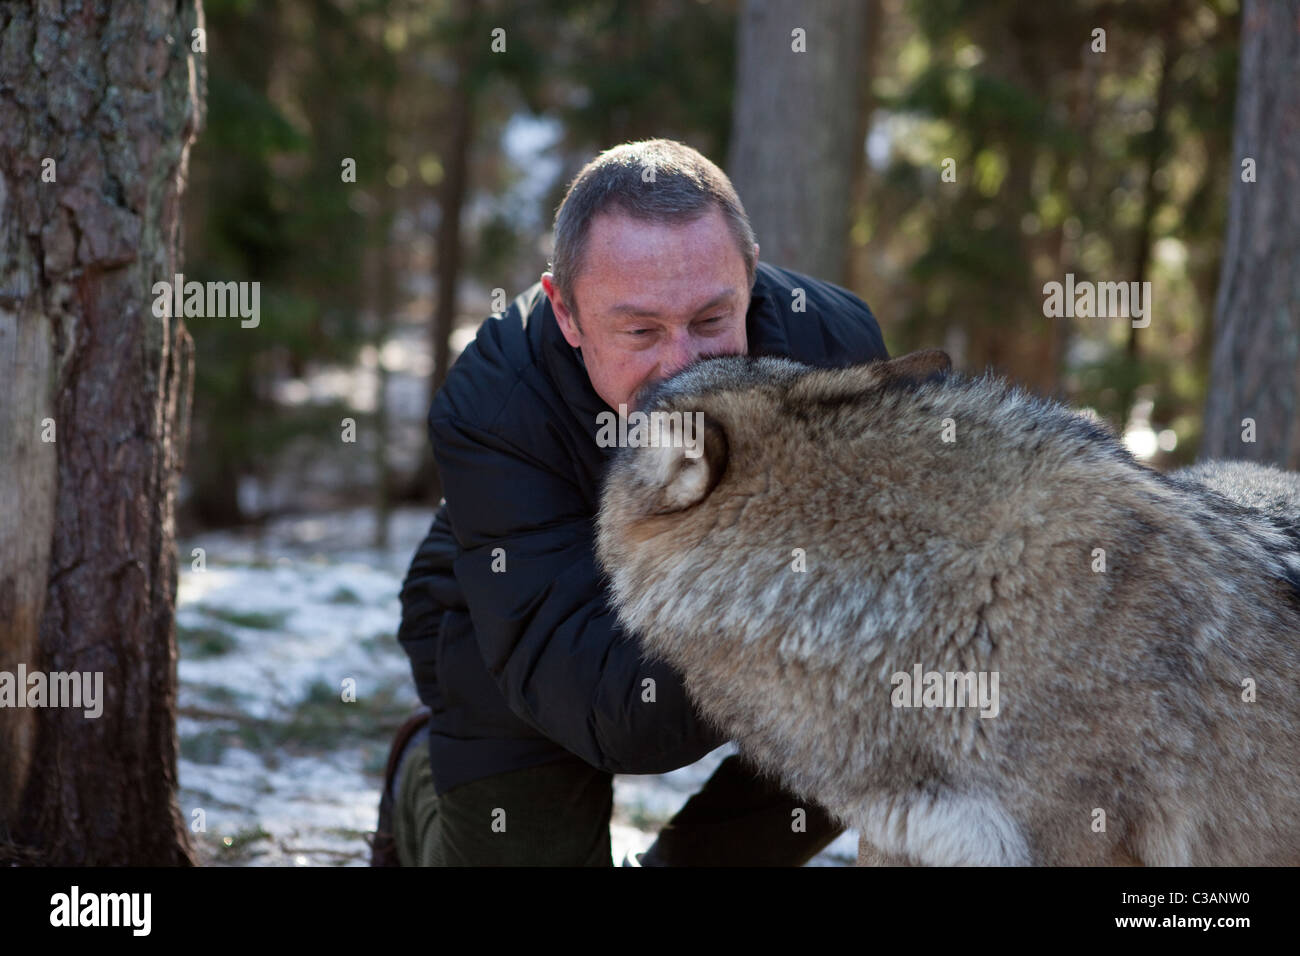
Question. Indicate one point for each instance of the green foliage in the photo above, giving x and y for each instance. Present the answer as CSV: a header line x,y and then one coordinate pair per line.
x,y
239,849
292,90
251,619
1066,160
344,595
200,642
1061,166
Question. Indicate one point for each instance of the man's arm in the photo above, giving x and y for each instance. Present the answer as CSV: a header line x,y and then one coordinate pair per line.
x,y
546,633
428,591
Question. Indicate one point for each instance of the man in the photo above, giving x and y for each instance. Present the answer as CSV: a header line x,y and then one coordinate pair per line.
x,y
535,696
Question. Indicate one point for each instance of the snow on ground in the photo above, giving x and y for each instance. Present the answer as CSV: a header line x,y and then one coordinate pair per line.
x,y
276,628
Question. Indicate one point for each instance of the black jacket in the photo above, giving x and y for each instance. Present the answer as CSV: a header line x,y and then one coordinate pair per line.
x,y
524,667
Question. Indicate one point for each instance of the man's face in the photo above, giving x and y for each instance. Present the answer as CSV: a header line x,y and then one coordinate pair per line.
x,y
652,299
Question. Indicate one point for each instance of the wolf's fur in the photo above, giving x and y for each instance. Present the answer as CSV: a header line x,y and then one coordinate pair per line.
x,y
1120,690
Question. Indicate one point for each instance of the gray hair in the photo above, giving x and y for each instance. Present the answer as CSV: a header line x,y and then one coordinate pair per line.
x,y
655,180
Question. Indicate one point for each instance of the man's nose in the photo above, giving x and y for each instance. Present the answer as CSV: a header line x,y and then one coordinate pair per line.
x,y
682,350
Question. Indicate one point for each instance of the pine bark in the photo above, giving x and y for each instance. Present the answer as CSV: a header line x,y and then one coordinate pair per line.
x,y
1255,368
795,139
112,93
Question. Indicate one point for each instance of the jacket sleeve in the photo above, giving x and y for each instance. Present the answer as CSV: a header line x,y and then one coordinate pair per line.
x,y
428,591
855,337
527,570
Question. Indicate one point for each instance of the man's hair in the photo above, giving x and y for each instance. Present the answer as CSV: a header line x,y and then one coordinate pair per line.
x,y
654,180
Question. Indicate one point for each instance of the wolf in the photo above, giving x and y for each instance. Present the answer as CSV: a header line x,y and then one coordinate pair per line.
x,y
847,534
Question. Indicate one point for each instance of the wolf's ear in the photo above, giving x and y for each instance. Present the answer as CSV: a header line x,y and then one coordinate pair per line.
x,y
853,381
915,368
685,461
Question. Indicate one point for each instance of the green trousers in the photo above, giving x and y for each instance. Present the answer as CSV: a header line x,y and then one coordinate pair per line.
x,y
558,815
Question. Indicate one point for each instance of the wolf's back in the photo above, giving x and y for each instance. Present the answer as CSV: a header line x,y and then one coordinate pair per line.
x,y
1263,488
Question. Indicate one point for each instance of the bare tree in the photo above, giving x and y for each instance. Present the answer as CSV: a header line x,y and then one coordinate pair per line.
x,y
1255,369
796,127
98,109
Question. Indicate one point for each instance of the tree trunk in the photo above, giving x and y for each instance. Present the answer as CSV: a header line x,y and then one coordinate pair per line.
x,y
1255,369
861,177
112,94
451,200
795,123
383,282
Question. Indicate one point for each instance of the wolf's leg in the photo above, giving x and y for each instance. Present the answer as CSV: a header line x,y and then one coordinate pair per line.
x,y
943,828
871,855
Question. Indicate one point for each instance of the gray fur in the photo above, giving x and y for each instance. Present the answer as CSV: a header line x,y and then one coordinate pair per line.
x,y
1121,691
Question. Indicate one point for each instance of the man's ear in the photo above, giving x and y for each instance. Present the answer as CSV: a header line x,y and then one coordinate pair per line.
x,y
563,317
916,368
